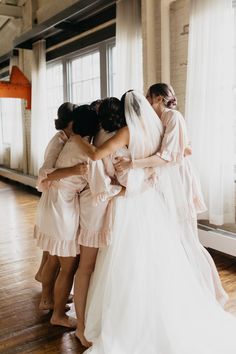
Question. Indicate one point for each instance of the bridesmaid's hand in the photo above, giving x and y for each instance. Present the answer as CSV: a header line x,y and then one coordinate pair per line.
x,y
80,169
188,151
123,163
122,192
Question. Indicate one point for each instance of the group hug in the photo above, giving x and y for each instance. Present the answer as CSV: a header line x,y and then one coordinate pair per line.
x,y
117,221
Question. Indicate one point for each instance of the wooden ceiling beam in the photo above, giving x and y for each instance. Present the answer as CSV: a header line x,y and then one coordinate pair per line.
x,y
11,11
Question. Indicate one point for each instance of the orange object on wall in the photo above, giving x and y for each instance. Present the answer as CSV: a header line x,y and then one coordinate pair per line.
x,y
18,86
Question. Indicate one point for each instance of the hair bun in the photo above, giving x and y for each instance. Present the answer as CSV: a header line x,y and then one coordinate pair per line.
x,y
64,115
59,124
65,111
171,103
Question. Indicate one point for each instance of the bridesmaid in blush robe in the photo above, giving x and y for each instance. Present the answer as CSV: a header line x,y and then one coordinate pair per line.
x,y
57,218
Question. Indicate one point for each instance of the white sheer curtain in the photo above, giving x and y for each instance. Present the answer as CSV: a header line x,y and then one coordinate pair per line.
x,y
39,123
129,46
15,113
209,104
16,150
11,137
1,136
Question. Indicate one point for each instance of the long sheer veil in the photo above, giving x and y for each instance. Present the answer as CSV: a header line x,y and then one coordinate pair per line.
x,y
146,132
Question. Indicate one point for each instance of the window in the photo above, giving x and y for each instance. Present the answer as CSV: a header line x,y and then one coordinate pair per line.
x,y
85,78
112,67
81,78
55,93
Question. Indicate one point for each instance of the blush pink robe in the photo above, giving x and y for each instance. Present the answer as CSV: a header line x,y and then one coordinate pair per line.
x,y
188,200
51,154
60,213
174,142
96,203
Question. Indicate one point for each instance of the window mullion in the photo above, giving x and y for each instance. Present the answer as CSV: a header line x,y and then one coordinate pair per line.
x,y
103,70
66,88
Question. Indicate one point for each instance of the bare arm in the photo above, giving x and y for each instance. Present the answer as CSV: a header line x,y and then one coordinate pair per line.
x,y
151,161
174,129
119,140
79,169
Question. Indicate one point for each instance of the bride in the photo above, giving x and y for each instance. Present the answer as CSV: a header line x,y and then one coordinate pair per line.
x,y
144,297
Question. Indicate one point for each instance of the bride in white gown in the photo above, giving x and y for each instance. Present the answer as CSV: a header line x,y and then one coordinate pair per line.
x,y
144,297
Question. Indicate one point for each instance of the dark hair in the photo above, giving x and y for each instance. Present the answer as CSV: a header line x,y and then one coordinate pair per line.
x,y
95,105
110,115
65,115
85,122
166,91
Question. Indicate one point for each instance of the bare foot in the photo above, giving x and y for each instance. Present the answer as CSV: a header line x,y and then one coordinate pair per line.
x,y
65,321
38,277
46,304
80,336
49,305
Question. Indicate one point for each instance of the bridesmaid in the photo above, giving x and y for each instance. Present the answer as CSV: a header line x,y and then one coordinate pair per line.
x,y
96,220
96,207
58,218
64,126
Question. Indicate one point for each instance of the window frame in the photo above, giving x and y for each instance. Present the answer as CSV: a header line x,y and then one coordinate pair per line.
x,y
103,48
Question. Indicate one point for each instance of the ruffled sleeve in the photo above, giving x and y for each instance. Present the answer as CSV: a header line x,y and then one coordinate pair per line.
x,y
50,157
175,137
100,183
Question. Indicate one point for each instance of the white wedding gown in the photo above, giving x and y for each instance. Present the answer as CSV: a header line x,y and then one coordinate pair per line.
x,y
144,297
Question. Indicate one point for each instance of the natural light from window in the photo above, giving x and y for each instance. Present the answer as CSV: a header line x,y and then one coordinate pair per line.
x,y
85,78
54,93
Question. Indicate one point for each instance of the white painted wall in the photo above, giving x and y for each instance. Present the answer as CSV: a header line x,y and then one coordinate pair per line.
x,y
8,33
49,8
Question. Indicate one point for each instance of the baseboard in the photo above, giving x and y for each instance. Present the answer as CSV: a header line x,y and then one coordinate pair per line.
x,y
18,176
219,240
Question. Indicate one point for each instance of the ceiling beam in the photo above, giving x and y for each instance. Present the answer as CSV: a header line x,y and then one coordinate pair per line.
x,y
10,11
81,10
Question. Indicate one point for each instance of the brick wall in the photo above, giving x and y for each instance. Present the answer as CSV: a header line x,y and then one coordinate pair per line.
x,y
151,32
179,20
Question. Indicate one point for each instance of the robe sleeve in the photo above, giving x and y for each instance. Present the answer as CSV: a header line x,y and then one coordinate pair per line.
x,y
50,157
100,183
174,140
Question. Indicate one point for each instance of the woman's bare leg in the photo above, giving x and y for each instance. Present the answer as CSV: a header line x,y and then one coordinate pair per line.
x,y
88,256
62,288
38,275
49,274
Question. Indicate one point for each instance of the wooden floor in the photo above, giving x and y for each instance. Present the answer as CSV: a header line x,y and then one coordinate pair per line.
x,y
23,328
